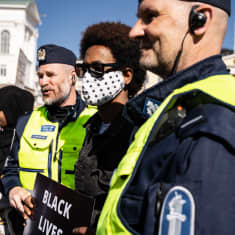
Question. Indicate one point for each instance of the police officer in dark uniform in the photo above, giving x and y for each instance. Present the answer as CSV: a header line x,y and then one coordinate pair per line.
x,y
177,177
47,140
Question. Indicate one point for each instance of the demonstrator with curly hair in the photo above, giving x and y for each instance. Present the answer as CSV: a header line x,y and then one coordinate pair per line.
x,y
110,75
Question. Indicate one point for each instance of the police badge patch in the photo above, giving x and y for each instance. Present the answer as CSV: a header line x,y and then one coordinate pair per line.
x,y
178,213
150,106
41,54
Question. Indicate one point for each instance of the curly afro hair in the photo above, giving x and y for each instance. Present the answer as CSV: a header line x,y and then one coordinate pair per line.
x,y
114,35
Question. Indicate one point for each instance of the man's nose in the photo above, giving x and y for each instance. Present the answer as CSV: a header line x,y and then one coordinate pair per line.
x,y
43,81
137,30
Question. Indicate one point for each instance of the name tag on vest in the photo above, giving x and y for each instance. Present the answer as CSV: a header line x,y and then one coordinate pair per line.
x,y
39,137
48,128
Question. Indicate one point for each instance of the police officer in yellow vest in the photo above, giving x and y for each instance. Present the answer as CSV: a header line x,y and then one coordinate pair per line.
x,y
177,177
48,140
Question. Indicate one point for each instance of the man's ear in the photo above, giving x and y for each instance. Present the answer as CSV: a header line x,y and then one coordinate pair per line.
x,y
128,75
207,12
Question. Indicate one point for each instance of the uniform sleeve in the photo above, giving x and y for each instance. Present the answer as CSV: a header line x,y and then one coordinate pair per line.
x,y
10,176
205,165
207,171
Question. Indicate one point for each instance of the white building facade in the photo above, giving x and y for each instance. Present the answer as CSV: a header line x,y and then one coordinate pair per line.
x,y
19,21
230,63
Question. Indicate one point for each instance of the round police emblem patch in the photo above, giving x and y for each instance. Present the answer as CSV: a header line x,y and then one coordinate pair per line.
x,y
178,213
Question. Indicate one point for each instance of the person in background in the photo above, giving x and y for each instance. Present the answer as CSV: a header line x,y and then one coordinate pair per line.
x,y
49,139
110,76
177,176
14,102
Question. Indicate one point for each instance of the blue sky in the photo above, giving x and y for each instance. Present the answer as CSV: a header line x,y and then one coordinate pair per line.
x,y
63,21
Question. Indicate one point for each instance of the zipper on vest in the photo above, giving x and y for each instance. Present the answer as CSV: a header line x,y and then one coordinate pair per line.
x,y
54,158
57,140
50,158
59,166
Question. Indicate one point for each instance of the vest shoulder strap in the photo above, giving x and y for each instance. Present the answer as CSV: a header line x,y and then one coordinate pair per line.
x,y
86,114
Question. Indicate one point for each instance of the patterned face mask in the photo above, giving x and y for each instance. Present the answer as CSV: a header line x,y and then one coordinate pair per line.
x,y
98,91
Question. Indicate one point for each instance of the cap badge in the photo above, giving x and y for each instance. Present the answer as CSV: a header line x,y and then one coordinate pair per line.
x,y
41,54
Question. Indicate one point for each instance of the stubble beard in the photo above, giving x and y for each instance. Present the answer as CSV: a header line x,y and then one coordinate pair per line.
x,y
151,60
148,59
65,90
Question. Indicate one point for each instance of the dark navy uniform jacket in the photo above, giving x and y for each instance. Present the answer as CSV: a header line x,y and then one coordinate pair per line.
x,y
193,165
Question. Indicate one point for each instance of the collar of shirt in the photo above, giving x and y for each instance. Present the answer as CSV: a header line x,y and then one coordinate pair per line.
x,y
133,111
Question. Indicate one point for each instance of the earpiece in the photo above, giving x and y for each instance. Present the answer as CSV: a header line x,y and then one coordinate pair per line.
x,y
196,19
73,80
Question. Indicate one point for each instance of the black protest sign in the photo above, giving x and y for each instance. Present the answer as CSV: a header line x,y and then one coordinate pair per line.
x,y
58,209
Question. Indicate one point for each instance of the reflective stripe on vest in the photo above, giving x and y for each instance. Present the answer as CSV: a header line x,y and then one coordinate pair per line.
x,y
220,87
45,150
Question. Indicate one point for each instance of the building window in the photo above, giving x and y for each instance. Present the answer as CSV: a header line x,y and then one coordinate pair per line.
x,y
5,42
3,70
23,68
28,34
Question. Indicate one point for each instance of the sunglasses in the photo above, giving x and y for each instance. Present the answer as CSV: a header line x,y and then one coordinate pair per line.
x,y
95,69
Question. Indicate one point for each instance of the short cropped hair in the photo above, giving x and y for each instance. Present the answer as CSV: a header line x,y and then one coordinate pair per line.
x,y
114,35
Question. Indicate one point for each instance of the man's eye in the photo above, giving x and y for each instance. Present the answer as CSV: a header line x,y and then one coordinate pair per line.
x,y
50,75
149,17
40,76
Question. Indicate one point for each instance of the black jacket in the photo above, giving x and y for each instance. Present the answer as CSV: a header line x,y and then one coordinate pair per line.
x,y
14,102
99,157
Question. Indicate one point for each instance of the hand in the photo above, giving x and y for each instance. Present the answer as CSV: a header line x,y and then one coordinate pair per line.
x,y
21,200
80,230
28,206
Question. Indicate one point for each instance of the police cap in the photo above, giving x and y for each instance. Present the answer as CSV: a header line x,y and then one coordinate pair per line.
x,y
53,54
222,4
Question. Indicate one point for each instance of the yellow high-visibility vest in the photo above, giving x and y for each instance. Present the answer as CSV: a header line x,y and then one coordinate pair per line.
x,y
220,87
52,153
